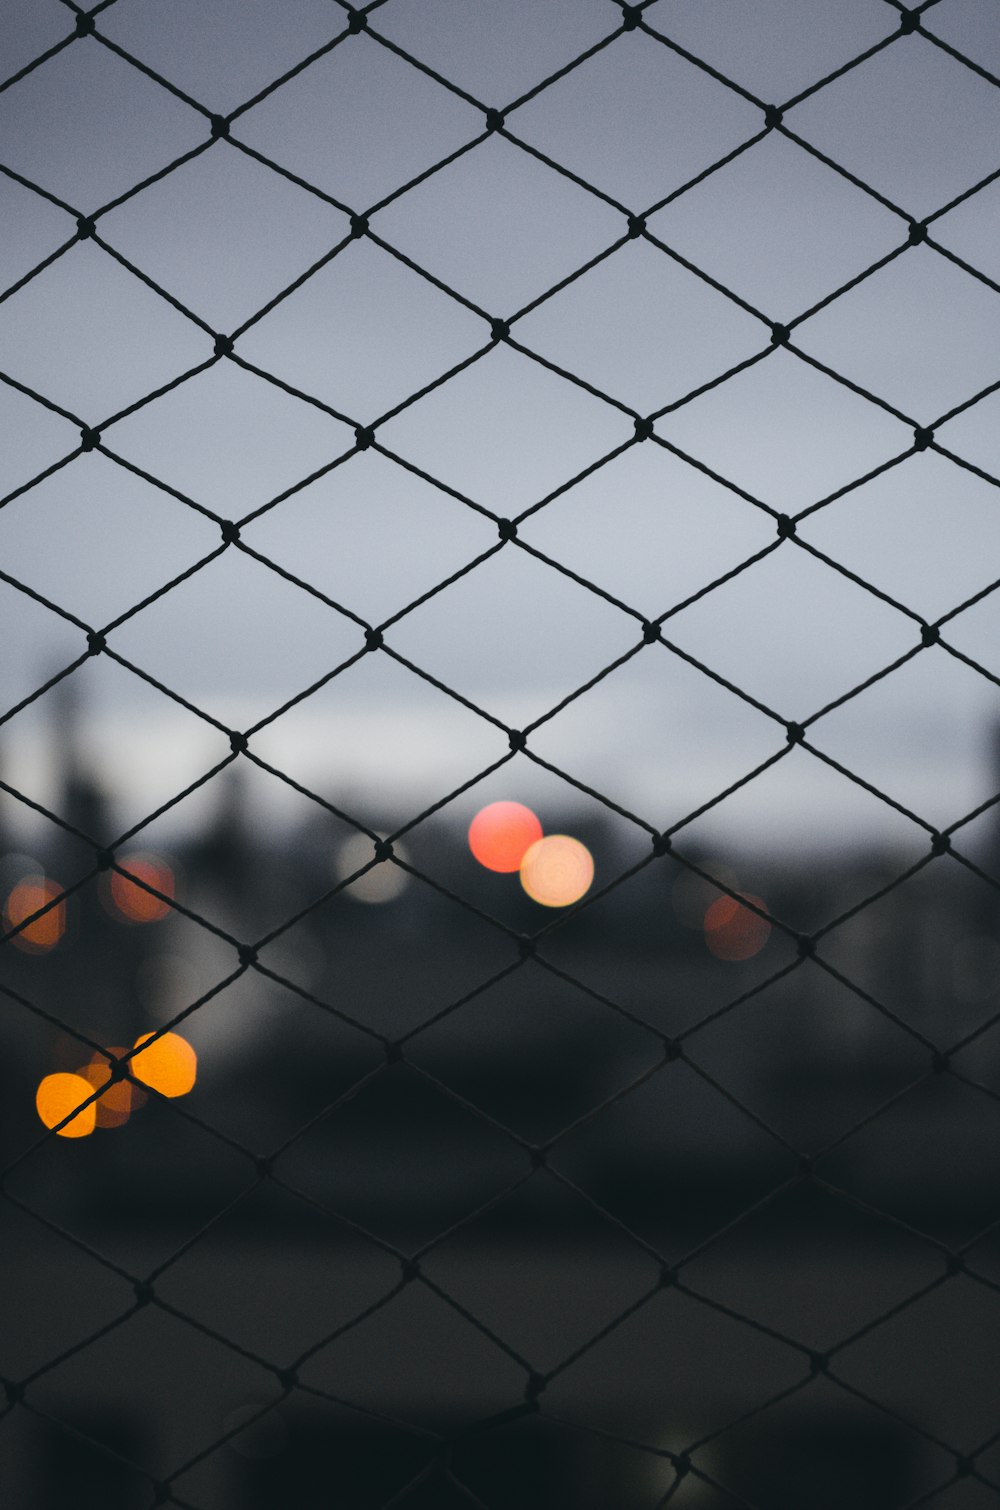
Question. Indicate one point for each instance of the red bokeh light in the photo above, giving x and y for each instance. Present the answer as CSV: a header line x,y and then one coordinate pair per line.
x,y
501,834
732,931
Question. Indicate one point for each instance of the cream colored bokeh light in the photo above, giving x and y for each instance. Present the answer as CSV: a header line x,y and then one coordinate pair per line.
x,y
383,883
557,871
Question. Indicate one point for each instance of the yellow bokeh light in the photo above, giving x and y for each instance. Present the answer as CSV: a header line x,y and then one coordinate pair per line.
x,y
130,901
57,1096
557,871
732,931
26,898
169,1065
501,834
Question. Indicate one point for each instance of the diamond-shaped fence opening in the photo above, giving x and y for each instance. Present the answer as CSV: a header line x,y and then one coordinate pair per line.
x,y
499,828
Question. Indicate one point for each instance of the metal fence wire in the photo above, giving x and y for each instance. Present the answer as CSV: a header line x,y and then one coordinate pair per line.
x,y
786,1373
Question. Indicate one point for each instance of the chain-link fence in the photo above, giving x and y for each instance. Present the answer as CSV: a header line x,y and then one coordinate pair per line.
x,y
414,409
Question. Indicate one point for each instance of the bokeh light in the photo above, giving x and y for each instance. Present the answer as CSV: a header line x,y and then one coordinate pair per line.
x,y
58,1095
383,883
169,1065
557,871
732,931
692,894
15,866
501,834
26,898
120,1099
130,901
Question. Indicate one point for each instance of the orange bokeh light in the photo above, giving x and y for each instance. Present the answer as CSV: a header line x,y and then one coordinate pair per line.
x,y
692,894
500,834
120,1099
57,1096
27,897
732,931
557,871
169,1065
133,903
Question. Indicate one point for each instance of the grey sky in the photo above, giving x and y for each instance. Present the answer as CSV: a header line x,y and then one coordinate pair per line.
x,y
781,230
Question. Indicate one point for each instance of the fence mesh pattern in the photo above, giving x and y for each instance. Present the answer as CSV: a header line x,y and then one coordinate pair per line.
x,y
683,1471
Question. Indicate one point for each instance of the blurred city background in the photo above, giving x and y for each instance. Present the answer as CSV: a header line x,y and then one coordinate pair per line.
x,y
498,538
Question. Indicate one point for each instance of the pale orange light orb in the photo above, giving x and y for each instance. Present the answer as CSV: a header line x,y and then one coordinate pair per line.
x,y
732,931
57,1096
27,897
169,1065
133,903
500,834
557,871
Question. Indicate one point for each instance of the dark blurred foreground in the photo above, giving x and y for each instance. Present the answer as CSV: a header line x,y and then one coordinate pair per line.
x,y
586,1223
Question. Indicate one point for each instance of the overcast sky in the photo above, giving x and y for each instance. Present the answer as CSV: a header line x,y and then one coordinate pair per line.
x,y
224,234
